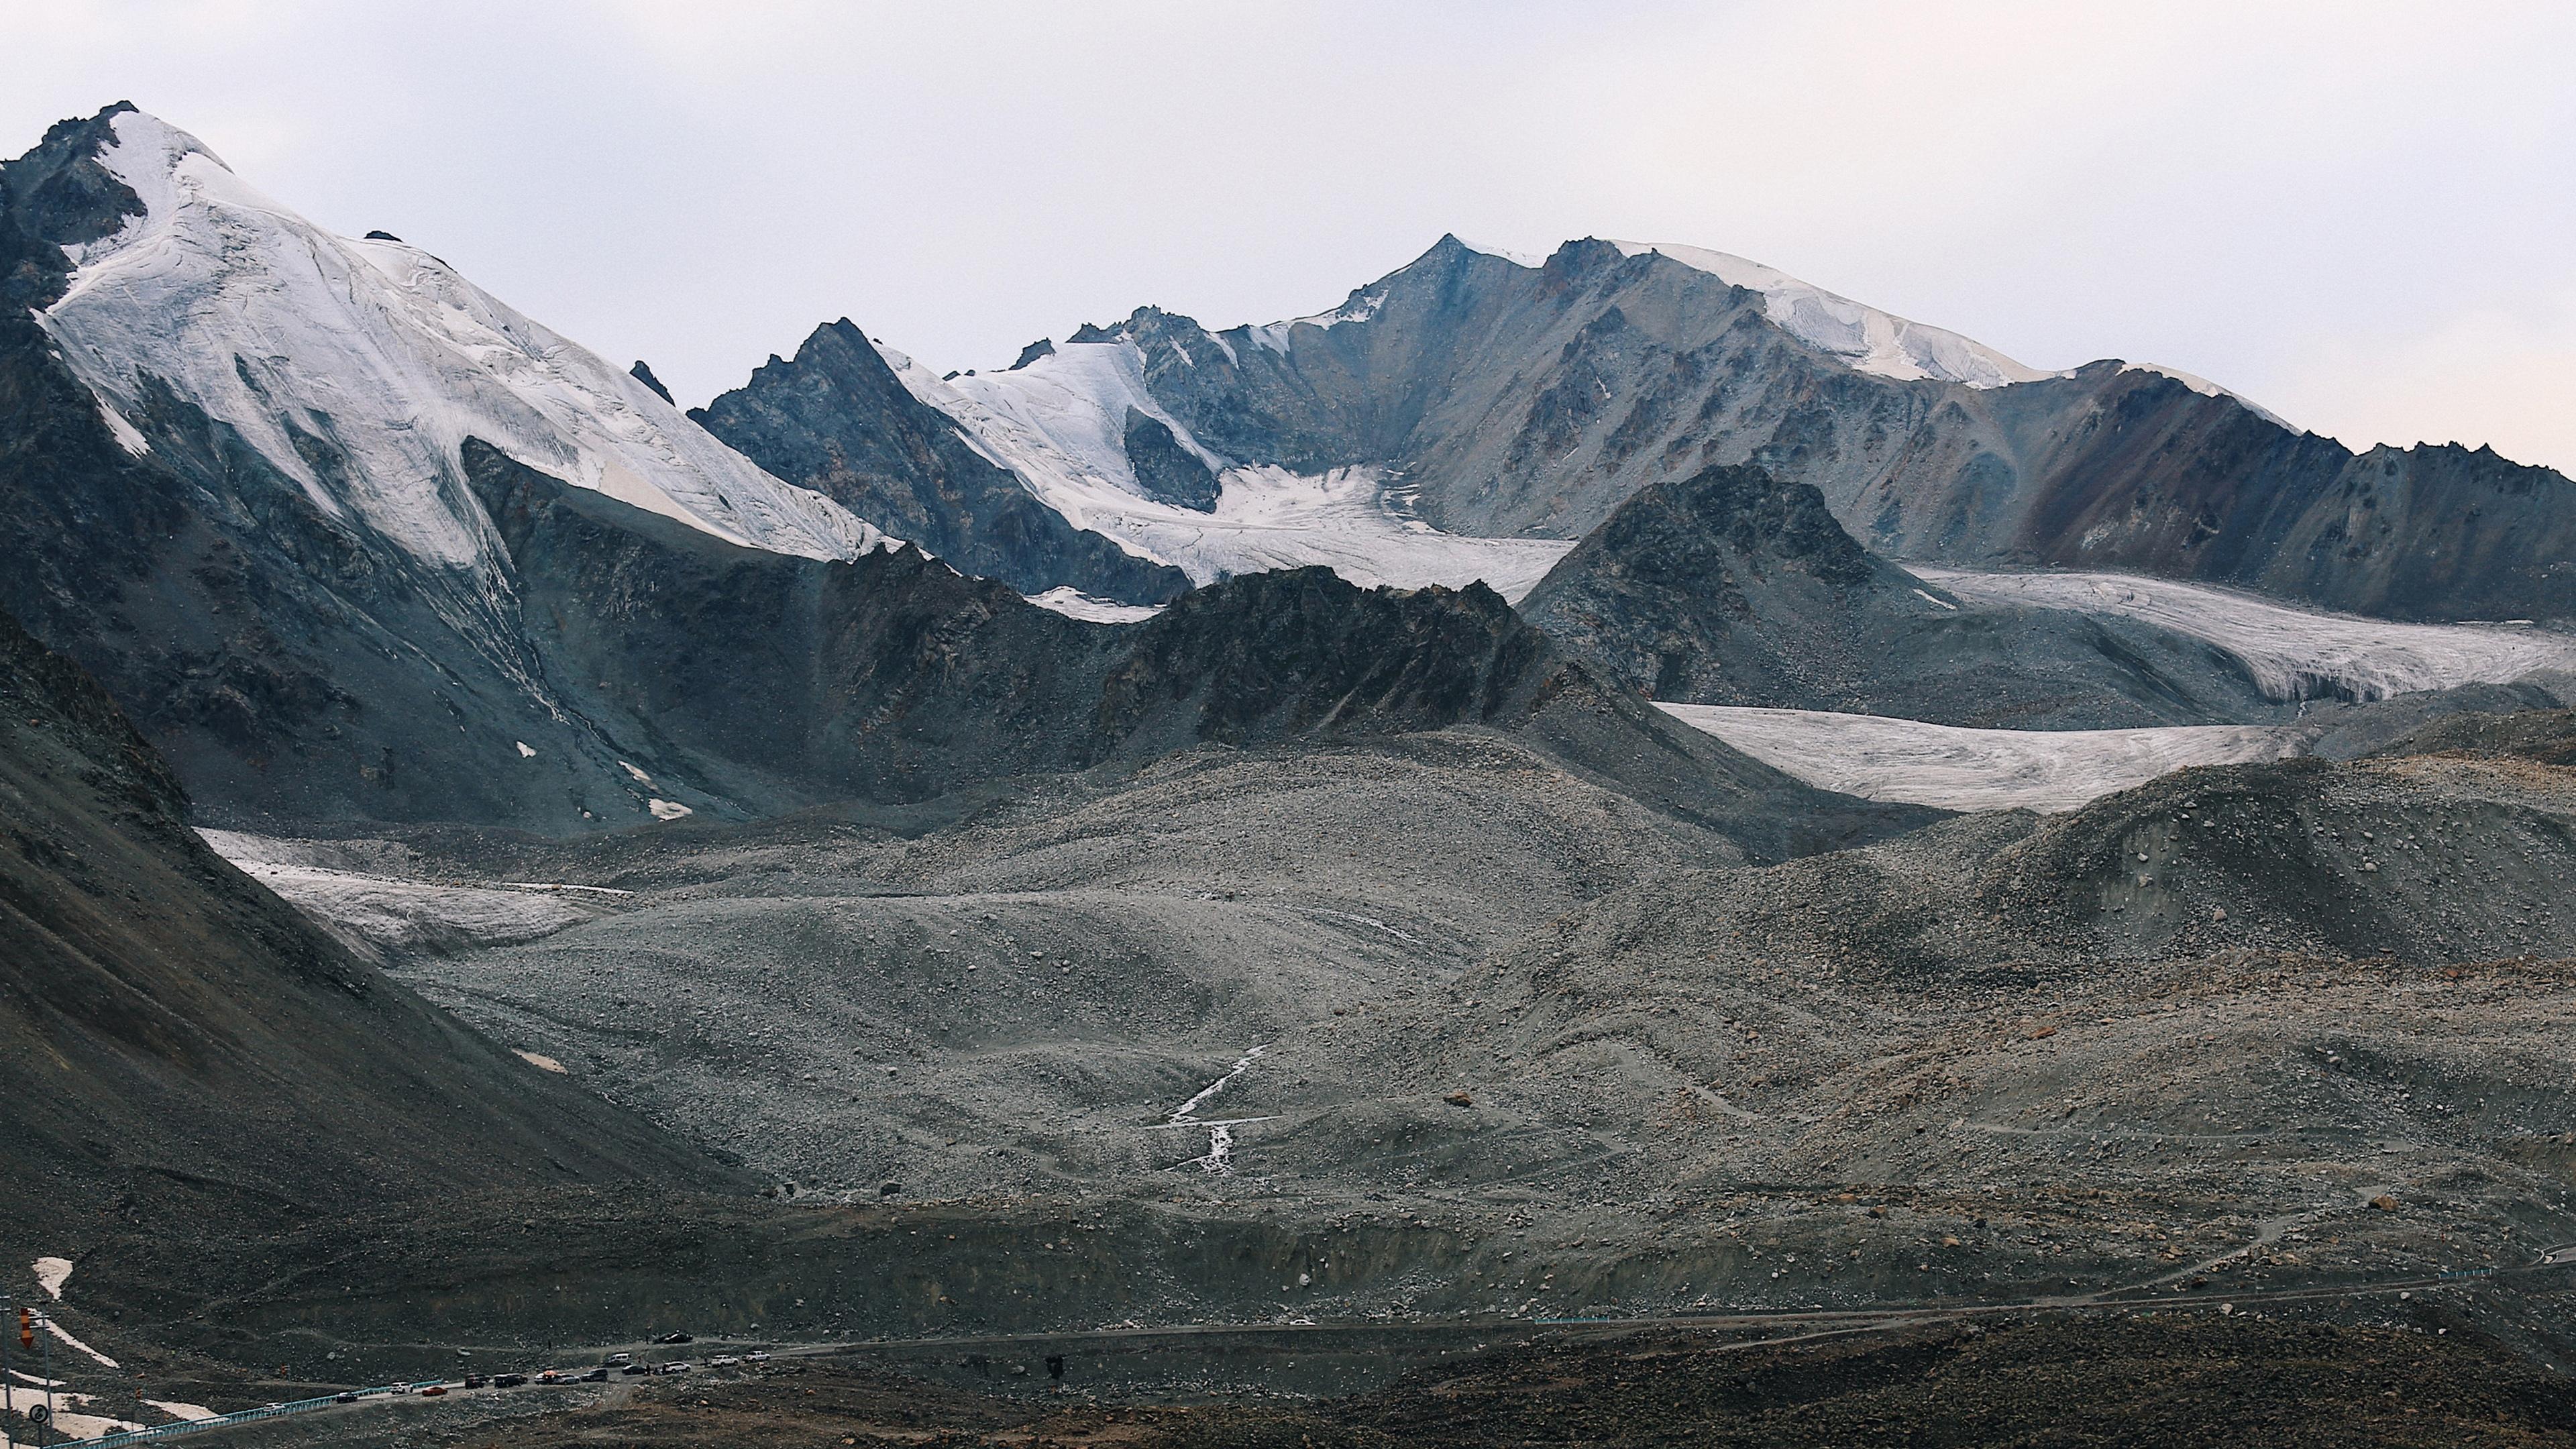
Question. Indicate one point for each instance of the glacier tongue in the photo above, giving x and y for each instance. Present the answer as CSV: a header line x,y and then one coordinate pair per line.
x,y
1878,757
359,368
2292,653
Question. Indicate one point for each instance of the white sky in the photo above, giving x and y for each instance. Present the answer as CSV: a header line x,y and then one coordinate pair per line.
x,y
2358,214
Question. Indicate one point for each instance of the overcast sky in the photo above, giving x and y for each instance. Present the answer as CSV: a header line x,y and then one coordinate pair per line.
x,y
2362,216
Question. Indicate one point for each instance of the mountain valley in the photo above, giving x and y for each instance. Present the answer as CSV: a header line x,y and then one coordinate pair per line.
x,y
1623,841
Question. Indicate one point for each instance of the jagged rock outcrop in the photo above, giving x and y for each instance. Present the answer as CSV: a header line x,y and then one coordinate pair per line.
x,y
1164,469
761,683
1733,587
769,683
836,419
1303,654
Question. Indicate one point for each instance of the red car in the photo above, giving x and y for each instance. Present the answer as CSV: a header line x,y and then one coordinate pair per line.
x,y
433,1391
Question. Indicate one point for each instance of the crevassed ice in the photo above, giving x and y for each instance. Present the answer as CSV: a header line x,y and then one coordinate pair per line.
x,y
383,354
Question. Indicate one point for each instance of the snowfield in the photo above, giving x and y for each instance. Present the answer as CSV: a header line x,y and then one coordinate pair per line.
x,y
2292,653
309,343
1073,603
1903,760
1060,422
387,913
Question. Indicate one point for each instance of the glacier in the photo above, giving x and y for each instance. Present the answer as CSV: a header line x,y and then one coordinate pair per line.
x,y
2292,653
1878,757
1060,425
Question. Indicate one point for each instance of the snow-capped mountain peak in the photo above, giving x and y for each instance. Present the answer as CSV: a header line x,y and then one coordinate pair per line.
x,y
1871,341
358,369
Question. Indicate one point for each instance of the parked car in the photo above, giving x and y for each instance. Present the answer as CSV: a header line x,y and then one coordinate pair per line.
x,y
614,1359
433,1391
723,1360
508,1381
755,1357
679,1366
344,1397
636,1368
475,1381
675,1338
595,1376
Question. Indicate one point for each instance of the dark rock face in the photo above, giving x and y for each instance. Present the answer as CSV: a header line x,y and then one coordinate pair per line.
x,y
644,375
181,1041
1164,469
1031,353
1732,587
837,420
772,682
2131,470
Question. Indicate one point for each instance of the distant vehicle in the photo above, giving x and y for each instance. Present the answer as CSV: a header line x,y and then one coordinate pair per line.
x,y
755,1356
615,1359
675,1338
433,1391
723,1360
595,1376
636,1368
344,1397
508,1381
551,1376
475,1381
678,1367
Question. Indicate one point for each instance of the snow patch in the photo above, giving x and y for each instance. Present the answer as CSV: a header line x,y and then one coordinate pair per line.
x,y
640,777
381,354
65,1334
1073,603
540,1061
51,1274
1950,768
1518,259
185,1412
525,752
2292,653
2206,388
668,809
127,436
1943,603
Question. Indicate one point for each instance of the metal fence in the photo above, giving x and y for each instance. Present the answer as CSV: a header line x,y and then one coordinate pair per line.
x,y
271,1411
